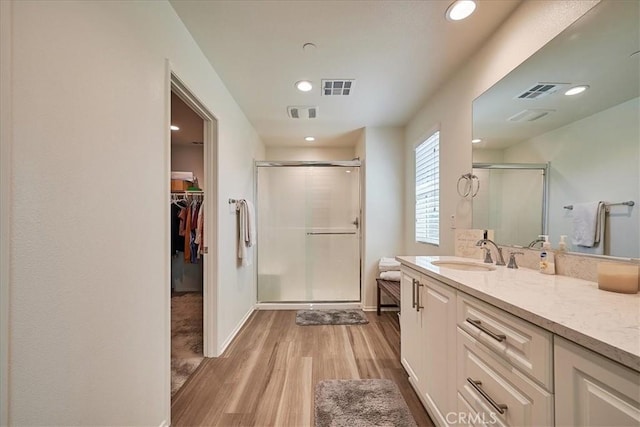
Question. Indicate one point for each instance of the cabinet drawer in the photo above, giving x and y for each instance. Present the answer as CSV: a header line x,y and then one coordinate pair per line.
x,y
524,345
467,416
490,385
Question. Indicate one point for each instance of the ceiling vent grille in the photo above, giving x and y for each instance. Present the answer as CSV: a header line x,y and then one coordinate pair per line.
x,y
302,112
342,87
529,115
540,90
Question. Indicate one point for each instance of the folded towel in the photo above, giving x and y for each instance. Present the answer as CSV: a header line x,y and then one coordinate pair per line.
x,y
394,276
388,264
588,224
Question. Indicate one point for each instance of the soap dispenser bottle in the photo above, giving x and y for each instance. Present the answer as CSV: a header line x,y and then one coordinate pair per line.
x,y
547,262
562,245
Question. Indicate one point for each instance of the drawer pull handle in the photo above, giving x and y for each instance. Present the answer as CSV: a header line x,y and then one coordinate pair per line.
x,y
413,293
500,407
478,324
419,285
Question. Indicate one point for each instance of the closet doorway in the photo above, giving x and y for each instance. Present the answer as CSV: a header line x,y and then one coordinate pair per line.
x,y
193,207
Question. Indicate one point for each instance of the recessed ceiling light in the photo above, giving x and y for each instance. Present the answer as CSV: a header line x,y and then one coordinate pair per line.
x,y
460,9
476,141
304,86
309,138
348,171
576,90
174,127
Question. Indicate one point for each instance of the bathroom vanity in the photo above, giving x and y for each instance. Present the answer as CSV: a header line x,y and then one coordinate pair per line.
x,y
514,347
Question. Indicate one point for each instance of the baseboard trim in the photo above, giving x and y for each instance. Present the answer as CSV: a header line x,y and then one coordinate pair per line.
x,y
375,308
165,423
235,331
307,306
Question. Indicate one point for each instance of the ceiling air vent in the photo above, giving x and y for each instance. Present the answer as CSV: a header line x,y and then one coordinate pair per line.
x,y
541,89
529,115
302,111
341,87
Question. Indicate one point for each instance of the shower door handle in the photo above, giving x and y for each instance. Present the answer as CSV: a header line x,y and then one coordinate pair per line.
x,y
328,233
356,222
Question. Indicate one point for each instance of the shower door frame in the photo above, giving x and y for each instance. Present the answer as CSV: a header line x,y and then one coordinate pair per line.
x,y
355,163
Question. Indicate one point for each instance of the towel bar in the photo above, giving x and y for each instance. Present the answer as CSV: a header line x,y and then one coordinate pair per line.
x,y
627,203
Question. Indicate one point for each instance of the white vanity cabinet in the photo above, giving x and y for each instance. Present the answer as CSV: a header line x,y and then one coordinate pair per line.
x,y
504,366
411,320
428,341
474,360
592,390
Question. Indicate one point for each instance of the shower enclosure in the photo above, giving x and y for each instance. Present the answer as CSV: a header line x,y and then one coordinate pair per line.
x,y
308,225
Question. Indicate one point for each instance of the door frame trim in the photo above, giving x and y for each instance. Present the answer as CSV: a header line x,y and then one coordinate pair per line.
x,y
210,277
6,142
174,84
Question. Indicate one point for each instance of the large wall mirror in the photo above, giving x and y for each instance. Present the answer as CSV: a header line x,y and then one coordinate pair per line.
x,y
589,141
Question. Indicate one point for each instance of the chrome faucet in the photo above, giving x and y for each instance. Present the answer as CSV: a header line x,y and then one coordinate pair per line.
x,y
500,258
536,242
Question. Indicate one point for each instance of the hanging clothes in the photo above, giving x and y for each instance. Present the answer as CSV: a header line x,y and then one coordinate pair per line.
x,y
177,239
195,208
200,231
187,234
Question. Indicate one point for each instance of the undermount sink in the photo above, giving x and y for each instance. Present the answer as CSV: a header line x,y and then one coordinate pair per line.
x,y
463,265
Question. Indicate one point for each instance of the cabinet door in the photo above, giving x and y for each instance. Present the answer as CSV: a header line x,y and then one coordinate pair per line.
x,y
592,390
410,325
439,332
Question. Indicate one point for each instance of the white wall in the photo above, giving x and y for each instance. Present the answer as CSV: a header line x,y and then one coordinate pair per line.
x,y
596,158
187,158
89,187
383,206
531,26
309,153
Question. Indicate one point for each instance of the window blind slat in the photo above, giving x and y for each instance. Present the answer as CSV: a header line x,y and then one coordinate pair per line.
x,y
428,190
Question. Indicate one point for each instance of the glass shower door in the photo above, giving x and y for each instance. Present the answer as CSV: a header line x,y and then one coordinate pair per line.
x,y
308,233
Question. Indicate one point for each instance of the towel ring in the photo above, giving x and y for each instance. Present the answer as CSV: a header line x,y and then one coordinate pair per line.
x,y
468,179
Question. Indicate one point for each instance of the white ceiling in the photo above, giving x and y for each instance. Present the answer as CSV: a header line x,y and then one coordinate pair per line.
x,y
399,52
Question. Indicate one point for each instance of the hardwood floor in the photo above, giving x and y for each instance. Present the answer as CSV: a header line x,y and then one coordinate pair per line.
x,y
268,374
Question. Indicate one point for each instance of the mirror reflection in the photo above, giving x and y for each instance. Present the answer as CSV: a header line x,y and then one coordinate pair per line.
x,y
589,139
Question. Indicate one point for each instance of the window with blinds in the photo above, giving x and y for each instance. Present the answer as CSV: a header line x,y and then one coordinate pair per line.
x,y
428,190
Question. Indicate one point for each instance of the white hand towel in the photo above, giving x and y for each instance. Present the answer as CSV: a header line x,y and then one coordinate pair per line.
x,y
246,231
393,276
587,227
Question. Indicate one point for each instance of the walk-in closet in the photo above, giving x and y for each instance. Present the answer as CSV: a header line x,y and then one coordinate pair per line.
x,y
187,241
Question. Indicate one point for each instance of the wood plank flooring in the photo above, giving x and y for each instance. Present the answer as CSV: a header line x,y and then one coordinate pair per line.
x,y
268,374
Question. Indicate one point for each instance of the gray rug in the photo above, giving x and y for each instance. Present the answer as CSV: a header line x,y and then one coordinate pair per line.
x,y
330,317
360,403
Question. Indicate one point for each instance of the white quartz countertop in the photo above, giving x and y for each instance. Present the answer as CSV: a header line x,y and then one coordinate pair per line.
x,y
605,322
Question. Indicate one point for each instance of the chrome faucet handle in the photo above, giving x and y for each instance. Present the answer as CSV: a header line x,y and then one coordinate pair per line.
x,y
500,260
512,259
487,255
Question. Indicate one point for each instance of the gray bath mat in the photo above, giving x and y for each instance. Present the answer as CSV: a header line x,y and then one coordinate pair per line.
x,y
360,403
330,317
